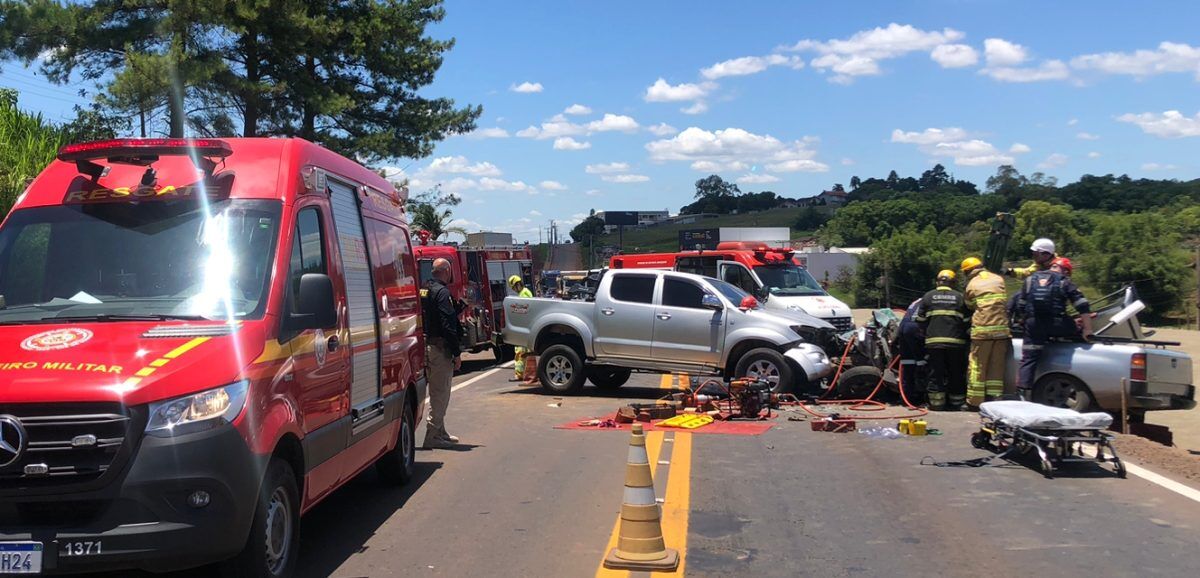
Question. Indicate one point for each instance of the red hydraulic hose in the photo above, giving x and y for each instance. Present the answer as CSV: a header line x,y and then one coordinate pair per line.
x,y
841,364
868,403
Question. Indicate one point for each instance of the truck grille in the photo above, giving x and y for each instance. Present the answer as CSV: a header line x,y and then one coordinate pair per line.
x,y
67,444
841,323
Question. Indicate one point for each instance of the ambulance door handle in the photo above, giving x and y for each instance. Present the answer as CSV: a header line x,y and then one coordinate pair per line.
x,y
607,311
332,343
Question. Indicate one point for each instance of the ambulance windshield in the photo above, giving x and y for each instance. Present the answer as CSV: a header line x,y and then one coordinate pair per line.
x,y
126,261
788,280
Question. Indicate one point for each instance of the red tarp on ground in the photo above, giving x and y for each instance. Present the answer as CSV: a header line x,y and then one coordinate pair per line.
x,y
735,428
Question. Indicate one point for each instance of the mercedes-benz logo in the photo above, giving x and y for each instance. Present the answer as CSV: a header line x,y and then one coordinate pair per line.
x,y
12,440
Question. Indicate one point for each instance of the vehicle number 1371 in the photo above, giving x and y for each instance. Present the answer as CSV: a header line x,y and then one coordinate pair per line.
x,y
80,548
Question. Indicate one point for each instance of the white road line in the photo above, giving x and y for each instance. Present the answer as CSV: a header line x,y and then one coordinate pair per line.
x,y
477,378
1156,479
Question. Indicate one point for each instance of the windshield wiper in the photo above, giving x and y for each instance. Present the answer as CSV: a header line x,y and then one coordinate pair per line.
x,y
123,317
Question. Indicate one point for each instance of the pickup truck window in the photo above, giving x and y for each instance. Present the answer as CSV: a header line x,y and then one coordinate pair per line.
x,y
633,288
680,293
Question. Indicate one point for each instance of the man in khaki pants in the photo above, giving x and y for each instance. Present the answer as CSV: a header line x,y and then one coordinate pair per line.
x,y
443,336
987,298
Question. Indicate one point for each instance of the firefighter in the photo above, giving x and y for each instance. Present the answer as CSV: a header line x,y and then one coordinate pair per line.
x,y
1044,255
519,356
1045,298
990,337
943,313
910,339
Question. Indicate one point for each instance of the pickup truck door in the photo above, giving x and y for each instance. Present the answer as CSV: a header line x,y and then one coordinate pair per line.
x,y
684,330
625,316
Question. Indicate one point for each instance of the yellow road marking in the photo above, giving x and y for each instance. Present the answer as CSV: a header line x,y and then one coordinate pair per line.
x,y
654,441
676,505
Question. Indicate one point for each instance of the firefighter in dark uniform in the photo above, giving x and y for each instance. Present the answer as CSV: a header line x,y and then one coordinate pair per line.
x,y
944,315
910,340
443,339
1044,299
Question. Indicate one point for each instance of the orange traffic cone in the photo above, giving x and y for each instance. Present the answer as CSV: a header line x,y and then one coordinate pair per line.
x,y
640,543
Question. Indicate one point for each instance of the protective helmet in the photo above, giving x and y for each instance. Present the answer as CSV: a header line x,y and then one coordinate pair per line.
x,y
514,281
945,275
1043,246
1064,264
970,264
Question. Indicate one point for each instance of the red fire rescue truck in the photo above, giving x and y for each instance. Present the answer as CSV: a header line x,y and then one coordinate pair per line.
x,y
479,284
773,274
199,341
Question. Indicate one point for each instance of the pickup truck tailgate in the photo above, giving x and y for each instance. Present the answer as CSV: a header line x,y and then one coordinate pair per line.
x,y
1166,366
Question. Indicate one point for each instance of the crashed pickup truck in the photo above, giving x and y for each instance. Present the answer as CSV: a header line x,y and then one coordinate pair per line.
x,y
663,322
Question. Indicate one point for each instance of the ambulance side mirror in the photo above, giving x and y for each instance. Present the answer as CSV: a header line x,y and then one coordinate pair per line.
x,y
314,303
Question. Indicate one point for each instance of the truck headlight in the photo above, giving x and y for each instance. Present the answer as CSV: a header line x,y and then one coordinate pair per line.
x,y
197,412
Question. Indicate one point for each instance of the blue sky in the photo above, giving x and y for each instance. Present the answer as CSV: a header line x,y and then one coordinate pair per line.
x,y
790,97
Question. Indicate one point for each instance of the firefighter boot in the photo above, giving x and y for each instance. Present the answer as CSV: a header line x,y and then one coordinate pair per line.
x,y
937,400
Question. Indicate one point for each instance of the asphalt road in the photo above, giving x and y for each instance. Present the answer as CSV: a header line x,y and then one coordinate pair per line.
x,y
520,498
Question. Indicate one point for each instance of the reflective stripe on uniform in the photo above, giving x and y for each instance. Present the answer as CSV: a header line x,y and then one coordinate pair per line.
x,y
976,330
990,298
948,312
949,340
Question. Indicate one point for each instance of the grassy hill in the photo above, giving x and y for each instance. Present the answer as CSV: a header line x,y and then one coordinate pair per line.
x,y
666,237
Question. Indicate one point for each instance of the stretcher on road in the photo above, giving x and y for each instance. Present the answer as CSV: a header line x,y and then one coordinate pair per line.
x,y
1059,435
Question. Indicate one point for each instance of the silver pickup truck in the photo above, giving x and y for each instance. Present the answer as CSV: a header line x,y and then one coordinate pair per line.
x,y
662,322
1090,376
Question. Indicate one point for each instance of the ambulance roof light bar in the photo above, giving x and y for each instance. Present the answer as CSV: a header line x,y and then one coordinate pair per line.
x,y
143,152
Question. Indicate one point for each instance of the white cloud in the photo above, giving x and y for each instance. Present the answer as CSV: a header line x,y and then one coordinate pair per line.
x,y
567,143
735,149
526,87
1019,148
757,178
1169,57
662,129
482,133
625,179
612,122
460,165
1073,122
954,55
491,184
1158,167
929,136
1048,70
607,168
859,55
1093,155
698,107
956,144
1087,136
552,186
535,213
847,162
1053,161
662,91
577,109
747,65
1000,52
593,192
1169,124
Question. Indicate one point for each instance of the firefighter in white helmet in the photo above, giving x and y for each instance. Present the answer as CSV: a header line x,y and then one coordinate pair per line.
x,y
1044,253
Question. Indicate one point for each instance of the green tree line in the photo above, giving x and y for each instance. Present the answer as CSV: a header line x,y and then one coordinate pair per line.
x,y
1117,230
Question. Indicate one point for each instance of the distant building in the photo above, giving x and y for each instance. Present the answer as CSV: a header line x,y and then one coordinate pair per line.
x,y
644,219
834,198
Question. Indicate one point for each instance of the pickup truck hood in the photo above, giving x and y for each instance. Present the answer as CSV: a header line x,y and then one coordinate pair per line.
x,y
792,317
822,306
127,362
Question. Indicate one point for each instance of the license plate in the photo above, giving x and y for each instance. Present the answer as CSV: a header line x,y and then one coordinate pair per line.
x,y
20,557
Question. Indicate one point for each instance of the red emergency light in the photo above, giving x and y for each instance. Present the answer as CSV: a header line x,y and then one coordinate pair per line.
x,y
144,147
748,302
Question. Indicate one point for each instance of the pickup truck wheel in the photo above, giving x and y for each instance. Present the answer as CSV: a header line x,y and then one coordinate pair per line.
x,y
857,382
560,369
396,467
766,364
1063,391
503,352
274,541
607,377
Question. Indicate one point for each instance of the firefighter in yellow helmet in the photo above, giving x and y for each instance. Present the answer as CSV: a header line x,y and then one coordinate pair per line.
x,y
519,354
986,298
943,314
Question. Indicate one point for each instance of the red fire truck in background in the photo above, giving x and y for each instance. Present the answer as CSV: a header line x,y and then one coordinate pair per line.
x,y
479,285
773,274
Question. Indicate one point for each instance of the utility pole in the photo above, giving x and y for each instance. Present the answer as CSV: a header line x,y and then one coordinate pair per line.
x,y
887,287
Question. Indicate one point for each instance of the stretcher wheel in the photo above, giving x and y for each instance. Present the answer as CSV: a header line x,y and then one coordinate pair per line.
x,y
1047,469
1120,469
979,440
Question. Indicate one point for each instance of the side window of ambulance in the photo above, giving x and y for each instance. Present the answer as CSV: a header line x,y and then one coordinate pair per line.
x,y
740,278
308,249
